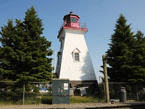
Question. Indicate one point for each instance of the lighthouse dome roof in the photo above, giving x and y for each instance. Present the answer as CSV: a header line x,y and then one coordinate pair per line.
x,y
71,14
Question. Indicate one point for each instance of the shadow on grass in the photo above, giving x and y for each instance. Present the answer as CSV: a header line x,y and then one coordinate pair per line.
x,y
46,100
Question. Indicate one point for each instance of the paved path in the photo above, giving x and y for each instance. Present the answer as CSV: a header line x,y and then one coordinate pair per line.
x,y
73,106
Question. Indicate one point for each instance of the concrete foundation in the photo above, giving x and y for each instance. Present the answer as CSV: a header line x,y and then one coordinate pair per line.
x,y
91,90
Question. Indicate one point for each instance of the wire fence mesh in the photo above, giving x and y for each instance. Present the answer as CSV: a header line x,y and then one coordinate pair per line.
x,y
30,93
133,91
41,92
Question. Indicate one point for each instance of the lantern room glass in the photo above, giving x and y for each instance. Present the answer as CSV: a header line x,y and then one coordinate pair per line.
x,y
74,19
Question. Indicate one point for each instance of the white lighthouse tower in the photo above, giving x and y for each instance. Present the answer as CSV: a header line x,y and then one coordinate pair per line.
x,y
74,62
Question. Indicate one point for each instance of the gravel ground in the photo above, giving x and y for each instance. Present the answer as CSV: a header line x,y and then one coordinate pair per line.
x,y
77,106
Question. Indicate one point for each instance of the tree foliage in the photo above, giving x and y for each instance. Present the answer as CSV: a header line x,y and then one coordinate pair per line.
x,y
24,52
138,68
126,54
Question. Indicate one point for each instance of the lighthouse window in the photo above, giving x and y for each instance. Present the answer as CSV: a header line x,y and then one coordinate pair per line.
x,y
76,56
73,19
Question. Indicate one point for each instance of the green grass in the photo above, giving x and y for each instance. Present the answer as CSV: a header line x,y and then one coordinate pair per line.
x,y
85,99
48,100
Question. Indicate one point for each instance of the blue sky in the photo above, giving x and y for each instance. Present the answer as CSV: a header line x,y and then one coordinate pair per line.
x,y
99,15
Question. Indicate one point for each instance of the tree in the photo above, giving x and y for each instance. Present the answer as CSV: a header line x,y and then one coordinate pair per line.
x,y
120,52
138,68
24,53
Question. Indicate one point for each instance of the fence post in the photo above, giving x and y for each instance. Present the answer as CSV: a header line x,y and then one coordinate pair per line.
x,y
23,93
137,95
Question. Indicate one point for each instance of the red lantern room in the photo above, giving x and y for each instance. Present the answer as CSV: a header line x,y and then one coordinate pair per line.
x,y
71,21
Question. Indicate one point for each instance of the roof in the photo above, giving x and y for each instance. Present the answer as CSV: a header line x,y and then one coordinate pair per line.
x,y
71,14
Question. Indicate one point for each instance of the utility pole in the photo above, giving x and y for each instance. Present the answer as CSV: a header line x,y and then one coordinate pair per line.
x,y
106,79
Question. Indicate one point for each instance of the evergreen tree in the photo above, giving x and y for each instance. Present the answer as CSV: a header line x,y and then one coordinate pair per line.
x,y
120,53
24,51
138,68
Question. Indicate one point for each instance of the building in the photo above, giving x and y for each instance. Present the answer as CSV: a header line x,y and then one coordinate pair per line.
x,y
74,62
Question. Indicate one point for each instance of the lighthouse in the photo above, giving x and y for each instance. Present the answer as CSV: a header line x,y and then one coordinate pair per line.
x,y
73,59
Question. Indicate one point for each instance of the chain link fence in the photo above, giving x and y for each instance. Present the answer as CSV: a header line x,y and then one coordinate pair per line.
x,y
30,93
134,91
41,92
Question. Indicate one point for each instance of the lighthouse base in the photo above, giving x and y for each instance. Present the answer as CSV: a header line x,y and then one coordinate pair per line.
x,y
91,86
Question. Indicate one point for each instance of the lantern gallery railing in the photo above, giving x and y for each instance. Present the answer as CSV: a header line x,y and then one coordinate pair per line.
x,y
75,25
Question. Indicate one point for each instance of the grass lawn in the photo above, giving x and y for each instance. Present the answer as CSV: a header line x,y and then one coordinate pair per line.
x,y
48,100
85,99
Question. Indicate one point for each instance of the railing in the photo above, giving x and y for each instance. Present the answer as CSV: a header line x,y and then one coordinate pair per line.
x,y
83,25
75,25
